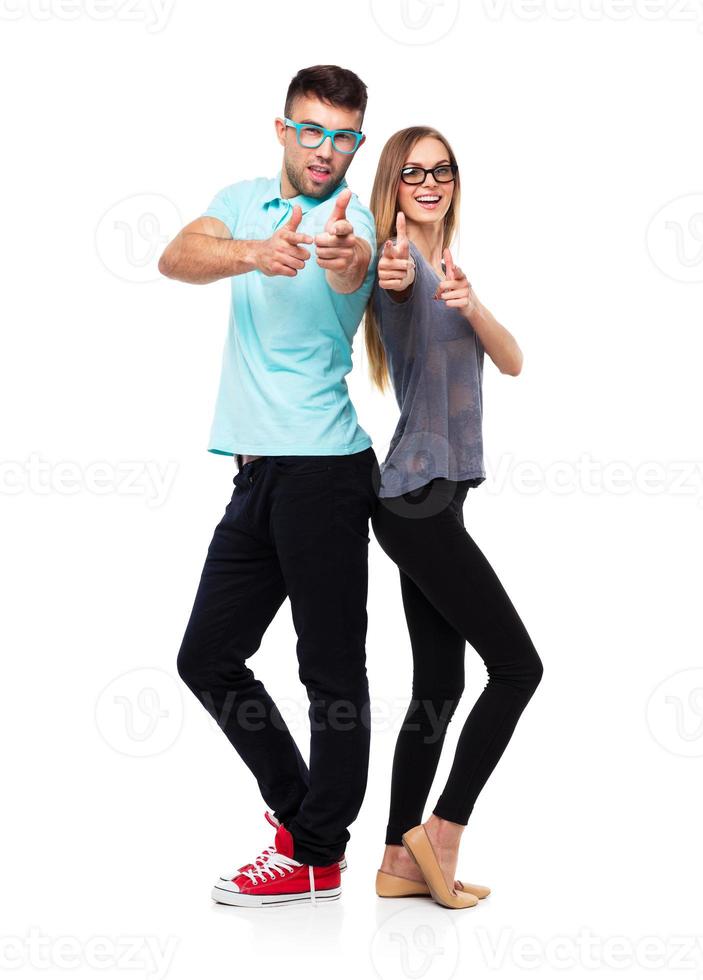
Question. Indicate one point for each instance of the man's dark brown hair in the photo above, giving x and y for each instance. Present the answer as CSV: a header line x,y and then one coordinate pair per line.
x,y
328,83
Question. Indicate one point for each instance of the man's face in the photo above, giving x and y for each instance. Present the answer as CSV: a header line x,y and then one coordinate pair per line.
x,y
316,172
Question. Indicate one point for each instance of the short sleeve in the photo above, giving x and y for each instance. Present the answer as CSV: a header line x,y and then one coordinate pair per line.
x,y
224,206
362,221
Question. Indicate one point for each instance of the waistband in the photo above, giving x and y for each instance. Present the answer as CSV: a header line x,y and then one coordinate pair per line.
x,y
361,454
239,457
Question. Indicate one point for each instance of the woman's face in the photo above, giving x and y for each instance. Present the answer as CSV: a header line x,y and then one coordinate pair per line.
x,y
429,201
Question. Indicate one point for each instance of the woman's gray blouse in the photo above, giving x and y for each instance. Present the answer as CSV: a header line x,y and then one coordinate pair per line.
x,y
435,361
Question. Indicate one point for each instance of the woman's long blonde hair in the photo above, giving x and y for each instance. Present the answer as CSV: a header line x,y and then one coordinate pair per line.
x,y
384,206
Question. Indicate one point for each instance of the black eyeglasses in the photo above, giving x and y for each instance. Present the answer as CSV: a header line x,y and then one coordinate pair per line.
x,y
443,174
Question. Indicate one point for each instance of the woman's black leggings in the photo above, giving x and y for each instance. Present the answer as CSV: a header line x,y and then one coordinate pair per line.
x,y
451,595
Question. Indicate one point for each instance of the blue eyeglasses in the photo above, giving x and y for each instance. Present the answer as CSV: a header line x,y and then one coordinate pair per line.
x,y
311,136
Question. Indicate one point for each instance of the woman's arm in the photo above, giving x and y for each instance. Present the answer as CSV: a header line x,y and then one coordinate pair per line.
x,y
499,343
396,266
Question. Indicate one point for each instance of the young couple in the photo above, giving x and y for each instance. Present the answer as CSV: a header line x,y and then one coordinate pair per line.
x,y
306,260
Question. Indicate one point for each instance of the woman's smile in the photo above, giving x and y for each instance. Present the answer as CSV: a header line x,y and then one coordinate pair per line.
x,y
430,202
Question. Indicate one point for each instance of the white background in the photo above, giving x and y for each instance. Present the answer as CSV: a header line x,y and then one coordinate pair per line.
x,y
576,124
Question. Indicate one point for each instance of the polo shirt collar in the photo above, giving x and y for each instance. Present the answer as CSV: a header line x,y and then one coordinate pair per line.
x,y
306,203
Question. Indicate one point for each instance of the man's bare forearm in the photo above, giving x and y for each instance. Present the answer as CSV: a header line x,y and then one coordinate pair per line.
x,y
350,279
196,258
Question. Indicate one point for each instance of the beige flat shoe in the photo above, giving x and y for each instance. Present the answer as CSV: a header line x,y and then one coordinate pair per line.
x,y
393,886
480,891
419,847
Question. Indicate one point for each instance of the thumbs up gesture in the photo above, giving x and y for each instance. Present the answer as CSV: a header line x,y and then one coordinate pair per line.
x,y
396,266
337,245
455,289
283,254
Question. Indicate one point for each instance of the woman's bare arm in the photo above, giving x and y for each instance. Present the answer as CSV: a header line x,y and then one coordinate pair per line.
x,y
499,343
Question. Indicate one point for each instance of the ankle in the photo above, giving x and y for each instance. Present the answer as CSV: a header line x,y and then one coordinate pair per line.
x,y
395,855
397,861
445,833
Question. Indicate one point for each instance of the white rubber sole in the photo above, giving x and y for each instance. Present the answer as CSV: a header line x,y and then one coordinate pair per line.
x,y
225,897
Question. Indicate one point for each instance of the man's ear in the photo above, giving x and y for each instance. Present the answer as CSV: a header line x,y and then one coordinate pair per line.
x,y
280,131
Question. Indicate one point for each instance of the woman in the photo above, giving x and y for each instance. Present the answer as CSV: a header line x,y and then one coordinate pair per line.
x,y
427,330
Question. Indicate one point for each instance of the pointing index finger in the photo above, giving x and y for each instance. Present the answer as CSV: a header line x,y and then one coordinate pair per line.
x,y
340,205
401,228
451,268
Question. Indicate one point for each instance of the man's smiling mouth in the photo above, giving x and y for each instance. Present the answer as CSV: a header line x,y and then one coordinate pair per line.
x,y
319,172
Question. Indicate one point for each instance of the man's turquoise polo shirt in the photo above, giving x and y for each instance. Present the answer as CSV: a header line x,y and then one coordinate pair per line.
x,y
287,353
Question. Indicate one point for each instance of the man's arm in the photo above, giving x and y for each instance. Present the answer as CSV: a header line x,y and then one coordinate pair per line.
x,y
204,251
344,256
349,279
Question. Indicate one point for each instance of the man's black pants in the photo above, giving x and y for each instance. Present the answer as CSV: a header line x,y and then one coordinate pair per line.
x,y
296,526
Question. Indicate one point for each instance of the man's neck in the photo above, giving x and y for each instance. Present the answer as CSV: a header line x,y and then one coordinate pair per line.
x,y
287,189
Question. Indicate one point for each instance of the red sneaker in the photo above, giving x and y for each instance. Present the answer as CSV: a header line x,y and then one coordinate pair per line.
x,y
267,852
279,879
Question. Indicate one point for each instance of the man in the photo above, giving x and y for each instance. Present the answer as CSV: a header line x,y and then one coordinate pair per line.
x,y
297,523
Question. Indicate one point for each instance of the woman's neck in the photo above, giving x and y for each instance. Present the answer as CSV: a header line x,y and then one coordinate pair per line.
x,y
428,239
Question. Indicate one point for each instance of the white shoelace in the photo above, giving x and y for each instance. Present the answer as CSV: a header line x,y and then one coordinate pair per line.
x,y
260,859
275,864
281,865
